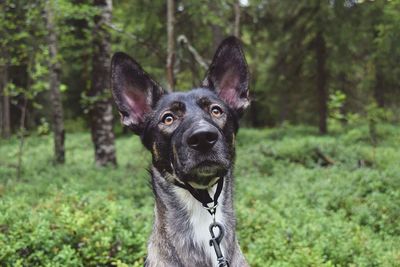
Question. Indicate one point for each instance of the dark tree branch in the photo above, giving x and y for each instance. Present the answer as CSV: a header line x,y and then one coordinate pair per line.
x,y
184,42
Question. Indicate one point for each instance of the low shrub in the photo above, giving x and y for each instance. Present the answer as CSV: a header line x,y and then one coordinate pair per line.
x,y
293,207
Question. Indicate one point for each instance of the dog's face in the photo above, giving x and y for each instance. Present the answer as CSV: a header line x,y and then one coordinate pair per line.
x,y
191,135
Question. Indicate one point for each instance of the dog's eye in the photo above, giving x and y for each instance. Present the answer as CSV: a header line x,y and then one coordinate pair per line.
x,y
168,118
216,111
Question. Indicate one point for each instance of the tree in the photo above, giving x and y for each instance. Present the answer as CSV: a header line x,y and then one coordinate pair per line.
x,y
236,26
385,20
171,44
321,76
101,116
54,82
4,104
217,30
5,128
300,54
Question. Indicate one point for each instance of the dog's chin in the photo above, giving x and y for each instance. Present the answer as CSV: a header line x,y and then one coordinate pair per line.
x,y
204,176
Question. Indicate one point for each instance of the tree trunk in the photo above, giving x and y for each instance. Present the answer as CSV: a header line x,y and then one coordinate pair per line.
x,y
284,103
379,87
254,113
5,104
101,116
54,76
236,26
171,44
322,94
21,136
216,29
2,86
217,36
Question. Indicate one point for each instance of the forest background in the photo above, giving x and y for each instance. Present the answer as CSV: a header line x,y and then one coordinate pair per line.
x,y
325,89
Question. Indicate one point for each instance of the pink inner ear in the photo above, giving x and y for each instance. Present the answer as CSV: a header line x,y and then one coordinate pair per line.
x,y
228,91
137,104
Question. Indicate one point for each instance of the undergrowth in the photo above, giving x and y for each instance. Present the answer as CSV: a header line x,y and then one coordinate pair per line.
x,y
301,200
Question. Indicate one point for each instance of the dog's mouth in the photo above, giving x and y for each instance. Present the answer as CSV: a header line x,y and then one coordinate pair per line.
x,y
205,174
206,169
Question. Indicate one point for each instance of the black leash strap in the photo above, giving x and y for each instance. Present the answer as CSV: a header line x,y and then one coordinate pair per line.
x,y
204,198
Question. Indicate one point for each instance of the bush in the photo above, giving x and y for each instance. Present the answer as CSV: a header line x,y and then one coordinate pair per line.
x,y
293,209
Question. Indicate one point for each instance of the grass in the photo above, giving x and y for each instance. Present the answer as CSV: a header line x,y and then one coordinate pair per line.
x,y
293,207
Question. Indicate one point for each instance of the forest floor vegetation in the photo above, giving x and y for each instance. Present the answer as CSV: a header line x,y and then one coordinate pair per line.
x,y
301,200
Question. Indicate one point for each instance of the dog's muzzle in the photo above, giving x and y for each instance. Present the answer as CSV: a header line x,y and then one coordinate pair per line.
x,y
200,154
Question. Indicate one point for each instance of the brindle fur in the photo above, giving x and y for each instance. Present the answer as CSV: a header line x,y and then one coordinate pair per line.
x,y
196,148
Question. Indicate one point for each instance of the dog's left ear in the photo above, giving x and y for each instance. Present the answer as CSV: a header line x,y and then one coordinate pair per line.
x,y
134,91
228,74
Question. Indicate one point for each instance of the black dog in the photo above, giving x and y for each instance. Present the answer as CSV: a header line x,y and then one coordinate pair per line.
x,y
191,137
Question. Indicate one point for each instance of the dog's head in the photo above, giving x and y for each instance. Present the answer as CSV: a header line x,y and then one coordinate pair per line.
x,y
191,134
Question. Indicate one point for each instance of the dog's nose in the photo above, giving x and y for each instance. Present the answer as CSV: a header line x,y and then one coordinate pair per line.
x,y
203,139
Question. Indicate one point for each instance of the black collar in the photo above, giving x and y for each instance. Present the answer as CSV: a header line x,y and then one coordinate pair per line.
x,y
202,194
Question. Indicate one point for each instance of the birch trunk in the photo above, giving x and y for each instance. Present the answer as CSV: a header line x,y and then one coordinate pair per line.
x,y
101,116
54,76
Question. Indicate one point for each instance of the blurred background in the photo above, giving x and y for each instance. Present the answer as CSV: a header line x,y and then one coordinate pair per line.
x,y
318,150
311,62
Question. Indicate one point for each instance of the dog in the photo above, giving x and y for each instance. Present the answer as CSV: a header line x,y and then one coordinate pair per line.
x,y
191,136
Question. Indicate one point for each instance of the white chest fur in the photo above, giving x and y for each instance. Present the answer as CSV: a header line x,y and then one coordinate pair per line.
x,y
200,220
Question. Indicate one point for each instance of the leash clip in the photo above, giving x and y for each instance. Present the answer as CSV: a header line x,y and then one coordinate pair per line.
x,y
216,240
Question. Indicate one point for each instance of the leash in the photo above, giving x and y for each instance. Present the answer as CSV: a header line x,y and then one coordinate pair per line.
x,y
204,198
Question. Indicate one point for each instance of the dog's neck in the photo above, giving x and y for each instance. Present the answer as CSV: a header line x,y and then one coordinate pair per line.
x,y
182,223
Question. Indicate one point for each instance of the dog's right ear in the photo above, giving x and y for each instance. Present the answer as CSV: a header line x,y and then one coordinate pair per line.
x,y
135,93
228,75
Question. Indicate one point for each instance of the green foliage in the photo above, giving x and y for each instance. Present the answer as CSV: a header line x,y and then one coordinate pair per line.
x,y
376,115
335,109
75,125
336,101
292,209
88,102
57,219
361,61
44,127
